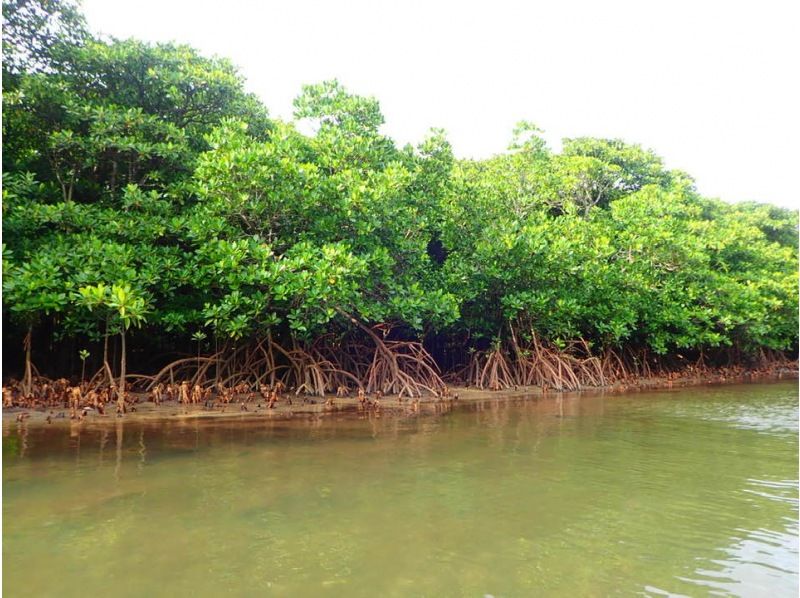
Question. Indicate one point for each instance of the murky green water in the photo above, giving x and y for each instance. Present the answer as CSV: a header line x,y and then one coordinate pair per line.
x,y
687,492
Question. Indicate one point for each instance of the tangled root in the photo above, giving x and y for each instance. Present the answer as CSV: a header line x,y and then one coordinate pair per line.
x,y
491,370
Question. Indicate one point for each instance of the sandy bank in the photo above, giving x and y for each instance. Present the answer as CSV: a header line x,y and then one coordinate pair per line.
x,y
311,407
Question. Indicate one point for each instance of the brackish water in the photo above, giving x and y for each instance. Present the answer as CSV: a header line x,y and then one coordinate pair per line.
x,y
690,492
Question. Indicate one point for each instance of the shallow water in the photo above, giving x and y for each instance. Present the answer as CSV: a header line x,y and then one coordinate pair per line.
x,y
690,492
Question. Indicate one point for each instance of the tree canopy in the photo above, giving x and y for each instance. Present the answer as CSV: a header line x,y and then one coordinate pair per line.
x,y
143,185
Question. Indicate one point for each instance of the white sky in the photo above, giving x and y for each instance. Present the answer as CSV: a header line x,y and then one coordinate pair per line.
x,y
711,86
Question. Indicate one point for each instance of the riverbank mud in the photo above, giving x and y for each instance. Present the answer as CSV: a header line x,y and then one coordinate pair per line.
x,y
291,406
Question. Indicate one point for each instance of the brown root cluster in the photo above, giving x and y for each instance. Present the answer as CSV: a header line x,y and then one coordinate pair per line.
x,y
264,372
75,399
535,364
326,366
575,367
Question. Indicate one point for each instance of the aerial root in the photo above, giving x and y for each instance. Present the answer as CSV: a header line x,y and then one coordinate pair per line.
x,y
539,364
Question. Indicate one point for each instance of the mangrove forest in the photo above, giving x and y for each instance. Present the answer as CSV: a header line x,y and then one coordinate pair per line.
x,y
164,234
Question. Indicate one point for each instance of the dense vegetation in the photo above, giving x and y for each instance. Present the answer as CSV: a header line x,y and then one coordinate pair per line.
x,y
146,195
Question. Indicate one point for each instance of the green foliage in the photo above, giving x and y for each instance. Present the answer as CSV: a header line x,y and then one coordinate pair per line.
x,y
118,299
601,243
333,107
144,187
35,288
34,31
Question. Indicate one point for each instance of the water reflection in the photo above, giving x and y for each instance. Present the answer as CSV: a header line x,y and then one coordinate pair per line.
x,y
669,493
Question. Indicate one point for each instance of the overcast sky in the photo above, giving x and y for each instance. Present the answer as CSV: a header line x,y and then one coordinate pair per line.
x,y
711,86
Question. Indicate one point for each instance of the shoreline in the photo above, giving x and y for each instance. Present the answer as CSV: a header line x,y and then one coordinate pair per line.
x,y
313,407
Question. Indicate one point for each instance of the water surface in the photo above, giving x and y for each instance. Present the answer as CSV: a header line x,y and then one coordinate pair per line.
x,y
690,492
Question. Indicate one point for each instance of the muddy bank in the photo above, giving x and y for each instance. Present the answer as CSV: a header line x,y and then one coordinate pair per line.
x,y
299,407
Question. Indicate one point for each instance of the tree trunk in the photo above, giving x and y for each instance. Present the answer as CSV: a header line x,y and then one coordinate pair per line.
x,y
271,360
105,344
121,391
113,184
27,380
216,367
106,365
113,355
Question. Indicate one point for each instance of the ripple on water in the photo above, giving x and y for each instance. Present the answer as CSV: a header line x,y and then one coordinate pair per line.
x,y
681,493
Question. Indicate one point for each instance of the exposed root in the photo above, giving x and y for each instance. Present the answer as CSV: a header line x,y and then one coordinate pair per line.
x,y
403,368
368,361
537,364
490,370
399,367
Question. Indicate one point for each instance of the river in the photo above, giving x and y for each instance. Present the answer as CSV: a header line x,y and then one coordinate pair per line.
x,y
683,492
